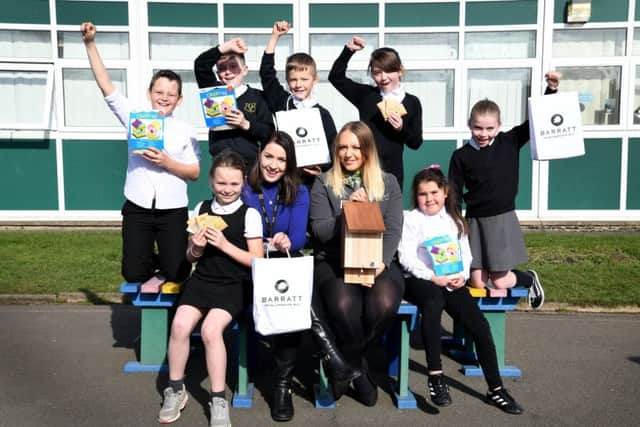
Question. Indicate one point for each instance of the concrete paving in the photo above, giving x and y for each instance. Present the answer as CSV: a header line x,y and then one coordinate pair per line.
x,y
61,365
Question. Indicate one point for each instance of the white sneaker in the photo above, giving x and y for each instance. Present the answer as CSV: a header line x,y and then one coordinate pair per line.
x,y
219,413
172,405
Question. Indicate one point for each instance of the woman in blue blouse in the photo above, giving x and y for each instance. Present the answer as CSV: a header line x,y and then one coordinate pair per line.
x,y
275,190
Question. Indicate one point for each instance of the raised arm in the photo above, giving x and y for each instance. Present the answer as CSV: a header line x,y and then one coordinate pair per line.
x,y
275,95
353,91
100,73
521,132
203,67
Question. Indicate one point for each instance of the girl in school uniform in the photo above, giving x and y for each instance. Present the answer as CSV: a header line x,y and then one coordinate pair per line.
x,y
392,129
433,234
216,291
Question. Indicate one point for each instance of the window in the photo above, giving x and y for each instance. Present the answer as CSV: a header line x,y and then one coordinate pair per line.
x,y
25,44
111,45
28,88
423,46
84,104
507,87
341,110
327,47
589,43
636,98
500,45
434,89
598,91
257,42
179,46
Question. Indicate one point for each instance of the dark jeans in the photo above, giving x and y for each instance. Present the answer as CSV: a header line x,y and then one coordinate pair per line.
x,y
460,305
141,230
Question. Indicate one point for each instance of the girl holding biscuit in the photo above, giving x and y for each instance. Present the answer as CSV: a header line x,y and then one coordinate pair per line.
x,y
394,116
216,292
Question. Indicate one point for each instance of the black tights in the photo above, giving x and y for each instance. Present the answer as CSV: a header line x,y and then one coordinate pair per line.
x,y
431,300
357,314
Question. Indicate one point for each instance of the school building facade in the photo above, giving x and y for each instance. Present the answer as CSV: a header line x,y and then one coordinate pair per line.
x,y
63,155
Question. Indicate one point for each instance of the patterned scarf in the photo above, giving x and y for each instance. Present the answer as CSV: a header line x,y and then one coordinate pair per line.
x,y
354,180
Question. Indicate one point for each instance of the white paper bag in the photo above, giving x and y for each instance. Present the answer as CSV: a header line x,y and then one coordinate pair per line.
x,y
282,289
555,126
304,126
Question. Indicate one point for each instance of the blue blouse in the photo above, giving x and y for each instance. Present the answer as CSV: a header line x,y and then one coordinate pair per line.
x,y
290,219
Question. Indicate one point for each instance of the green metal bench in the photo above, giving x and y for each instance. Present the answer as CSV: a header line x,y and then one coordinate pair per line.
x,y
494,304
154,335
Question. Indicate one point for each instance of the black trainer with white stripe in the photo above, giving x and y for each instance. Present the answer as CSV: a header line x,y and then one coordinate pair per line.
x,y
503,400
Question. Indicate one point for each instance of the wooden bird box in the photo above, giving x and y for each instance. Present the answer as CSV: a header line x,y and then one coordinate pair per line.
x,y
362,228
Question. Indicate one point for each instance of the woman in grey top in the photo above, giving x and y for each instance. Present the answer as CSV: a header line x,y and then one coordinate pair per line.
x,y
357,314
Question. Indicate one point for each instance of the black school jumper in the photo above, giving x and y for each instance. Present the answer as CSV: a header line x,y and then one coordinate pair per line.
x,y
252,105
389,142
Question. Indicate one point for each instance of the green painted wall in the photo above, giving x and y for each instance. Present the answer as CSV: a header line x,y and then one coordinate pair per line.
x,y
601,10
94,173
99,185
429,153
633,174
514,12
256,15
199,190
26,12
343,15
28,174
591,181
183,14
99,12
422,14
523,199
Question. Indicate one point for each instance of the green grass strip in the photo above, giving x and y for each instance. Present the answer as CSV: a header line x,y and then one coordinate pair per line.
x,y
576,268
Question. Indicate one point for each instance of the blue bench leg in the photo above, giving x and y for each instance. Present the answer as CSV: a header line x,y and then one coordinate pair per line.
x,y
243,394
398,358
323,394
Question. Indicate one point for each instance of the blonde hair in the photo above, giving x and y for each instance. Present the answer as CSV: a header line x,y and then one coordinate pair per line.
x,y
371,171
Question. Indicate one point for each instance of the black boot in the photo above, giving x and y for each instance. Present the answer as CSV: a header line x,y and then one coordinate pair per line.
x,y
284,349
339,372
282,405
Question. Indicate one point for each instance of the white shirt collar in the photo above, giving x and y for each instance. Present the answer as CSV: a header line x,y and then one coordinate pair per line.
x,y
442,213
225,209
397,94
308,102
240,90
474,144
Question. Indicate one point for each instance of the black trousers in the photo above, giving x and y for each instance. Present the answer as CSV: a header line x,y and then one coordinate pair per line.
x,y
431,300
357,314
142,229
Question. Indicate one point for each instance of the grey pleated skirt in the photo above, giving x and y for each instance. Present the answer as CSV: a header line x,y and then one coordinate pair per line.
x,y
497,243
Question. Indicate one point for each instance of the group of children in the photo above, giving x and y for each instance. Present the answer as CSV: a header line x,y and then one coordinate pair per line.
x,y
155,209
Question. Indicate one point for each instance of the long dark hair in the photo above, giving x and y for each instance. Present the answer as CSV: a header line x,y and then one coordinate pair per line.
x,y
290,180
434,174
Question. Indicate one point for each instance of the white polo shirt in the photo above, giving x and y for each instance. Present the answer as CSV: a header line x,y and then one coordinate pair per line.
x,y
145,181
